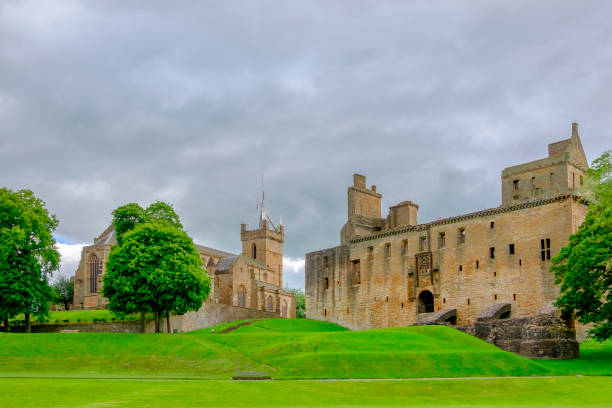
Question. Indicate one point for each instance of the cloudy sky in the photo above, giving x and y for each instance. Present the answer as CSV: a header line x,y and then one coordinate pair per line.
x,y
109,102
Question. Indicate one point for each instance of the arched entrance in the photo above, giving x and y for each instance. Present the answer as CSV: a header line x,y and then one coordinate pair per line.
x,y
426,302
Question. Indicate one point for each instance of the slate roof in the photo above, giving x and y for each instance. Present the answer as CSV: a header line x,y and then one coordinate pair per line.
x,y
225,263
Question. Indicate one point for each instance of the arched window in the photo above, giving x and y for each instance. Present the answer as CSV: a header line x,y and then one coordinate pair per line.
x,y
269,304
426,302
94,272
284,309
241,296
254,251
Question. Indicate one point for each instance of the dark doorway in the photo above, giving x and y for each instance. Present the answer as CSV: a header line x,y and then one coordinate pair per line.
x,y
426,302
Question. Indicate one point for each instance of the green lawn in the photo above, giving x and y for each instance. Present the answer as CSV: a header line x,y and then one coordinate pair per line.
x,y
284,349
523,392
192,369
81,316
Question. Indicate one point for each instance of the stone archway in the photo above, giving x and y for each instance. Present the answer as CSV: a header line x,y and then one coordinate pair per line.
x,y
426,302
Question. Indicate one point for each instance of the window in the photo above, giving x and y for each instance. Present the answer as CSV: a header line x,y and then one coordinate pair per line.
x,y
477,264
94,272
269,304
514,296
356,272
492,252
326,283
494,297
461,236
460,268
404,247
423,244
325,262
515,183
494,273
492,224
442,240
468,302
545,249
387,250
254,251
511,249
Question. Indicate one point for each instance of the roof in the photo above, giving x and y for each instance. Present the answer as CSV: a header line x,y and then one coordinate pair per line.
x,y
108,237
477,214
225,263
212,251
256,264
262,284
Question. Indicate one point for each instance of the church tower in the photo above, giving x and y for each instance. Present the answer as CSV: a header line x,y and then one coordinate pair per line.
x,y
265,244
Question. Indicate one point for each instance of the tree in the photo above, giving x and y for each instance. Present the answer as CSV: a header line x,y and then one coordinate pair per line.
x,y
28,255
155,266
63,291
300,302
584,266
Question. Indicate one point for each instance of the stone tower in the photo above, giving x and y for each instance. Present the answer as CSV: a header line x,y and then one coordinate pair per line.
x,y
562,172
265,245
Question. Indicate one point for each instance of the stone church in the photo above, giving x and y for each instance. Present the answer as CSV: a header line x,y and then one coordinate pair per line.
x,y
250,281
393,271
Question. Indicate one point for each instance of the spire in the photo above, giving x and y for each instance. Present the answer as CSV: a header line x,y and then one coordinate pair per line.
x,y
261,208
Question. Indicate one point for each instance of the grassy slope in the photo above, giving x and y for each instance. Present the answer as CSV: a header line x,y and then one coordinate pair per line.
x,y
282,348
414,352
524,392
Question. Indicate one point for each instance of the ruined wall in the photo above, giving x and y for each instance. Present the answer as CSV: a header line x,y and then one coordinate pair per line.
x,y
457,270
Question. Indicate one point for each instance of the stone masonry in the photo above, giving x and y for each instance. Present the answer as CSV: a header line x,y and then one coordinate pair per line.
x,y
388,271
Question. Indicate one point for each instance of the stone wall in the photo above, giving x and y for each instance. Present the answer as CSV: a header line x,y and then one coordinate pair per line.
x,y
544,336
209,315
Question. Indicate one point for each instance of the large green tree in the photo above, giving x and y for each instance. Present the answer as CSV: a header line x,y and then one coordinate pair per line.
x,y
28,255
584,266
155,266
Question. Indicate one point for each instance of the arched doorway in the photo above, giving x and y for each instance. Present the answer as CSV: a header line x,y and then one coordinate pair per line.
x,y
269,304
426,302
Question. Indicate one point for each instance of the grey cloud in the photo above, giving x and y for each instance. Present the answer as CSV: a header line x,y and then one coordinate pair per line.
x,y
111,102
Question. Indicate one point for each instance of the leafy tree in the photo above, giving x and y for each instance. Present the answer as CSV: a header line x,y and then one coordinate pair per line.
x,y
28,255
300,302
584,266
154,267
63,291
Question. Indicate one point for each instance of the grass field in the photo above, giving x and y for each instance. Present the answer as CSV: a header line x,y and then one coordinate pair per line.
x,y
114,369
523,392
81,316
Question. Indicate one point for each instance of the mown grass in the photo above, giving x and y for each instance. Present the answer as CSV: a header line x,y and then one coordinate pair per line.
x,y
414,352
520,392
284,349
81,316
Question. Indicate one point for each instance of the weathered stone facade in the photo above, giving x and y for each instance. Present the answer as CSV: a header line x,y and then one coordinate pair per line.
x,y
251,280
387,271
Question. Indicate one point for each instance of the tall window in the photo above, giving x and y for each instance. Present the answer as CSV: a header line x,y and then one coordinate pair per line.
x,y
545,248
269,304
442,240
461,236
94,272
423,244
387,250
356,272
404,247
254,251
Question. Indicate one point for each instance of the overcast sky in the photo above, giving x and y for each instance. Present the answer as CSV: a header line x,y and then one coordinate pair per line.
x,y
103,103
